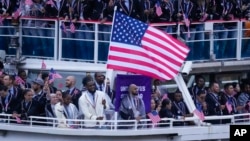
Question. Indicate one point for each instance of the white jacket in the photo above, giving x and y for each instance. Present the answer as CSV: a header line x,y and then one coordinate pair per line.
x,y
93,110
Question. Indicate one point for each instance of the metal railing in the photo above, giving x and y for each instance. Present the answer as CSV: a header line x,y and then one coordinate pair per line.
x,y
44,38
144,124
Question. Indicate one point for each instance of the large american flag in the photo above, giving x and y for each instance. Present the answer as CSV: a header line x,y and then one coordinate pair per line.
x,y
154,117
139,48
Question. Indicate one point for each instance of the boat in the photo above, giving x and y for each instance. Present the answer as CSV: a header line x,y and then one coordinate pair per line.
x,y
16,57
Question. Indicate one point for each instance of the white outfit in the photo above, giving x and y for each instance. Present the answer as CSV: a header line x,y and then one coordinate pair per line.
x,y
62,114
93,108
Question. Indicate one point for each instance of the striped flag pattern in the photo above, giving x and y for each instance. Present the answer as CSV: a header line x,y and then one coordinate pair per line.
x,y
1,20
50,2
17,13
154,117
139,48
72,27
199,114
19,80
53,75
158,9
28,2
63,27
229,107
43,67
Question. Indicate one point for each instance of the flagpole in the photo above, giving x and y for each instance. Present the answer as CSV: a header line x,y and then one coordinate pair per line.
x,y
110,72
185,93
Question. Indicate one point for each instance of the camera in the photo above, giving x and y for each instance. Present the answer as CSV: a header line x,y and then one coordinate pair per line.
x,y
186,67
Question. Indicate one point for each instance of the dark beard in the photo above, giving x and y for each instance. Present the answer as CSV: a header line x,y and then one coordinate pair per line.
x,y
135,94
92,92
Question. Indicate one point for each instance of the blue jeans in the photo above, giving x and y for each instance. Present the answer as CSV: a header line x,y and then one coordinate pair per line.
x,y
50,46
190,41
103,44
3,38
199,49
169,29
85,47
219,45
230,50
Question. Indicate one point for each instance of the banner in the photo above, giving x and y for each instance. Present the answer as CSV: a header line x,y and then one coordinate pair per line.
x,y
144,88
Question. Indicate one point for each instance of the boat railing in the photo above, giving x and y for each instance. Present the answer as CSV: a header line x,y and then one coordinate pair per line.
x,y
35,121
45,38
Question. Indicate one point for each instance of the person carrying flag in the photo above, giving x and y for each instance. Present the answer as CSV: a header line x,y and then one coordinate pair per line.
x,y
230,102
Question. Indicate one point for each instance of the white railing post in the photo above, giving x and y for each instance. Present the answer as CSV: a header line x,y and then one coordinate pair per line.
x,y
211,39
238,41
54,124
31,121
171,123
20,37
136,124
115,123
57,40
96,43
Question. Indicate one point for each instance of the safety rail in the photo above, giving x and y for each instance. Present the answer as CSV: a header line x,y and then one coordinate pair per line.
x,y
45,38
144,124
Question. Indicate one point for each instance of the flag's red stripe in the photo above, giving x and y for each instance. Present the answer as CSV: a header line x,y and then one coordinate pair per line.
x,y
160,54
164,47
170,43
128,69
129,51
143,63
167,48
135,52
181,46
154,118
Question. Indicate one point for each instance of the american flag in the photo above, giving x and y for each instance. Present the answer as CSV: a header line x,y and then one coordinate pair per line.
x,y
154,117
187,23
53,75
165,96
138,48
158,8
19,80
1,20
229,106
72,28
199,114
60,85
17,13
63,27
18,120
50,2
43,67
28,2
204,17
